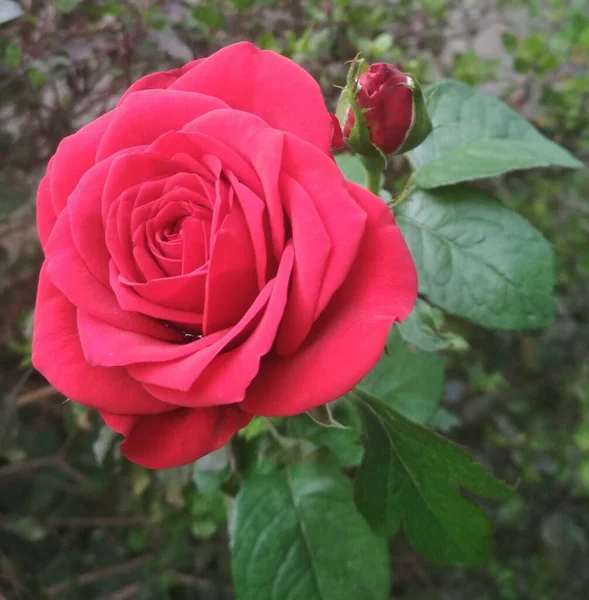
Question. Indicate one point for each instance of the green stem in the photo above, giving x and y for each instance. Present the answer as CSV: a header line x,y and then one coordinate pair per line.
x,y
374,166
373,179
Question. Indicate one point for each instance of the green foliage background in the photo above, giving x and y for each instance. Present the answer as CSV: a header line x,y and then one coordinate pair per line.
x,y
76,521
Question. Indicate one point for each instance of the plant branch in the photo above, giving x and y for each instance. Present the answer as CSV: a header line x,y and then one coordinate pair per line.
x,y
56,590
46,391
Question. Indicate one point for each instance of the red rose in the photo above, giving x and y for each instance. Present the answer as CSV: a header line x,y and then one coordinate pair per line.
x,y
393,109
206,261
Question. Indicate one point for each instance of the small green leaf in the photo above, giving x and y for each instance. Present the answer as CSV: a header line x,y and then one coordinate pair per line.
x,y
13,55
423,328
67,6
410,382
255,428
477,259
345,444
411,478
477,136
323,415
443,420
207,15
297,535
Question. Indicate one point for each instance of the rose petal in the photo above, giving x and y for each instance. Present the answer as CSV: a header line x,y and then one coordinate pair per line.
x,y
183,293
70,275
265,84
159,80
319,177
58,355
45,214
202,148
178,437
253,208
214,386
232,284
86,215
181,374
312,252
261,146
130,300
337,139
349,337
143,116
73,157
107,346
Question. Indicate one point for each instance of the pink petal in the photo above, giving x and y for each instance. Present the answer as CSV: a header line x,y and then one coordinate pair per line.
x,y
265,84
159,80
177,437
75,155
143,116
45,214
130,300
70,275
227,377
182,374
349,337
232,283
105,345
261,147
58,355
318,182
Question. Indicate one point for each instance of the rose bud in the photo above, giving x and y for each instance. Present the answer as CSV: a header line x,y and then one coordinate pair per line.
x,y
382,110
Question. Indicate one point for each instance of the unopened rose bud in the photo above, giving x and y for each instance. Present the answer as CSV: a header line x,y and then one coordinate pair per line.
x,y
390,104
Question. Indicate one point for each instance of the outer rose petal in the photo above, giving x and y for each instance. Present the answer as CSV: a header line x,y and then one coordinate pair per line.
x,y
160,80
45,214
337,139
265,84
56,335
349,337
73,157
145,116
177,437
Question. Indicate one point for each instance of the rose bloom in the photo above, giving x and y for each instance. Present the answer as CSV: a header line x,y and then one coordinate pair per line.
x,y
206,261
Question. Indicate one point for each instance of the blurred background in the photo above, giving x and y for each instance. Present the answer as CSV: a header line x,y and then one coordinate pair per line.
x,y
76,521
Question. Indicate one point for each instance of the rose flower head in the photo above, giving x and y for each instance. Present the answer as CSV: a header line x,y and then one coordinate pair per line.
x,y
206,261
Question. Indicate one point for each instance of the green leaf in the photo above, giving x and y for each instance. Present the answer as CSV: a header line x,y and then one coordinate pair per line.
x,y
351,168
297,536
323,416
410,382
13,55
411,478
255,428
423,328
477,259
443,420
67,6
477,136
345,444
207,15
